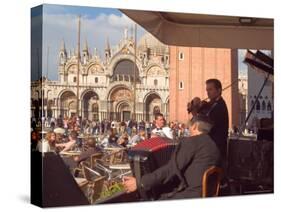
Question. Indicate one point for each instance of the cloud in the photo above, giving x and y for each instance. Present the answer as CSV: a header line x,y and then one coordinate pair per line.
x,y
58,27
119,21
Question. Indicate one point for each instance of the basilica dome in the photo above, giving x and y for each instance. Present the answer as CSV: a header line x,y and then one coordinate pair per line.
x,y
149,41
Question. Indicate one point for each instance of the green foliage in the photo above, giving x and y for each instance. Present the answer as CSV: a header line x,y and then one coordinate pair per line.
x,y
114,188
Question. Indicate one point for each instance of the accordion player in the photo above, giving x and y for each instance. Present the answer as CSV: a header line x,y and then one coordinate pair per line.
x,y
146,157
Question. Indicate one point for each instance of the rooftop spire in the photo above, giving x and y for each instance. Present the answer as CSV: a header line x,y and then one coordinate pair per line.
x,y
85,47
107,46
62,47
126,33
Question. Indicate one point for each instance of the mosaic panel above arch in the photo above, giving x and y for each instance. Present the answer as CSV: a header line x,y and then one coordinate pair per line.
x,y
95,69
120,94
155,71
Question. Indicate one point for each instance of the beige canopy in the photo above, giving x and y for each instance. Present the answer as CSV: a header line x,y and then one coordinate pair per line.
x,y
195,30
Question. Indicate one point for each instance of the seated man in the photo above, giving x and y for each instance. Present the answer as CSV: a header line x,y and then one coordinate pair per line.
x,y
70,144
74,162
92,149
160,129
192,157
137,138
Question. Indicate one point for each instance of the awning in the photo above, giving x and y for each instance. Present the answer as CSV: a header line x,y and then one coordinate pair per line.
x,y
195,30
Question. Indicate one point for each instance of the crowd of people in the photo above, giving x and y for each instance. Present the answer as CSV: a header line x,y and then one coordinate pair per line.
x,y
201,144
108,132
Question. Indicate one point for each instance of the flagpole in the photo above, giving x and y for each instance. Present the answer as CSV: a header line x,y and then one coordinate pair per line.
x,y
135,63
78,66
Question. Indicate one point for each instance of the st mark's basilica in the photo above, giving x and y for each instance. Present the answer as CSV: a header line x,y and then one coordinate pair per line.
x,y
106,86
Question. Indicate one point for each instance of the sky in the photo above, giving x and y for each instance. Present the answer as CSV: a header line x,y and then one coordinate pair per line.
x,y
60,23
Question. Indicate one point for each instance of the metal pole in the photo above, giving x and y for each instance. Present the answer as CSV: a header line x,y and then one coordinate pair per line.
x,y
135,63
78,66
254,105
38,63
46,115
47,62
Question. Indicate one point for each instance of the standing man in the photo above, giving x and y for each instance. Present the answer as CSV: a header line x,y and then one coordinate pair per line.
x,y
218,114
160,129
216,110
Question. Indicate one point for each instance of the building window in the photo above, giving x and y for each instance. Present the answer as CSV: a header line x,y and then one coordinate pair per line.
x,y
263,106
181,85
155,82
258,106
268,106
156,110
181,56
96,80
74,79
252,103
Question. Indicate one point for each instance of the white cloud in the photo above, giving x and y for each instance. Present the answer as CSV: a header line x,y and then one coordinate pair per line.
x,y
119,21
57,27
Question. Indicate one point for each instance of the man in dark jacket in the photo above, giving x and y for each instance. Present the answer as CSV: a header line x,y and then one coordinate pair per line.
x,y
193,156
218,114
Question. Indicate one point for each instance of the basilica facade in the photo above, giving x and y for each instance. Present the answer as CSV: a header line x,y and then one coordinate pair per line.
x,y
109,88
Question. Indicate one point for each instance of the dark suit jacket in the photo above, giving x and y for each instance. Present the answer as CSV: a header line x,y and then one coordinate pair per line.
x,y
219,132
193,156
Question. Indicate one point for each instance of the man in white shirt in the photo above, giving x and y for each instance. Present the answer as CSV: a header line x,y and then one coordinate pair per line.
x,y
70,144
160,129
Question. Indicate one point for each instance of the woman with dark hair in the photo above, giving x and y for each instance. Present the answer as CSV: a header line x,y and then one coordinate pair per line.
x,y
34,140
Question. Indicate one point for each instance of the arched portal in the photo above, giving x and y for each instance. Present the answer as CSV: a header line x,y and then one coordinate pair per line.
x,y
50,104
123,111
90,105
120,103
68,104
152,106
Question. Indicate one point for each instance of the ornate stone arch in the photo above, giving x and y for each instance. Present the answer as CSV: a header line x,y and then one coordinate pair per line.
x,y
67,102
151,93
155,70
114,88
89,98
152,104
94,68
87,91
63,91
73,67
119,57
118,95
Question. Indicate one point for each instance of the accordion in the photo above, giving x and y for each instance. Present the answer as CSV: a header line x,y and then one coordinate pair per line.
x,y
146,157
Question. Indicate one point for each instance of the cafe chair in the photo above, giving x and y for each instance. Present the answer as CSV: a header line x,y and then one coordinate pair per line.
x,y
94,157
95,182
114,157
211,181
82,183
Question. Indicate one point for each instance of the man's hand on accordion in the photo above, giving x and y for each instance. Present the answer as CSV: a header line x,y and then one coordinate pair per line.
x,y
130,184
